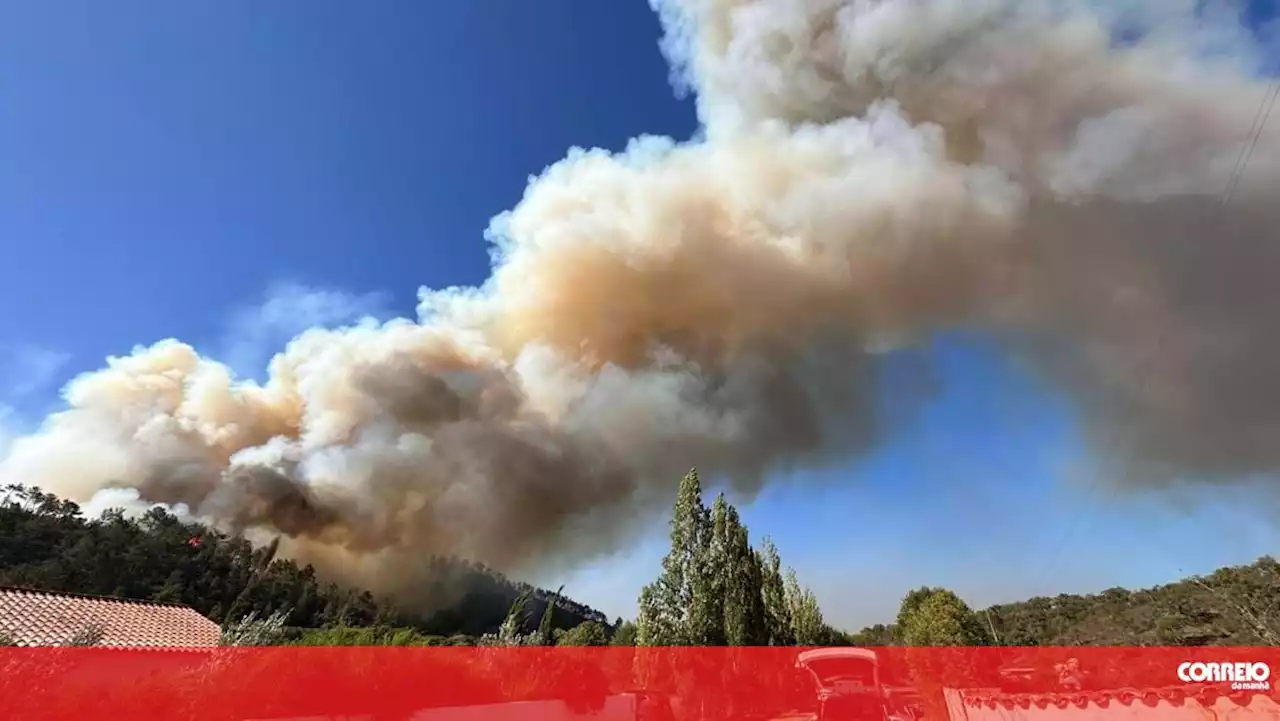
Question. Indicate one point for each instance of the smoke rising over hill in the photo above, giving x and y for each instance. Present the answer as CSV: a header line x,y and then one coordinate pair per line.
x,y
870,172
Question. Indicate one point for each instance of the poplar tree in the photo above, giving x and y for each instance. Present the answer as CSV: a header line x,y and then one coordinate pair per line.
x,y
652,627
773,592
744,616
806,617
757,621
715,589
712,584
673,608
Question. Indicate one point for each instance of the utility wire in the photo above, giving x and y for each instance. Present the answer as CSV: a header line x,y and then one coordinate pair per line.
x,y
1242,161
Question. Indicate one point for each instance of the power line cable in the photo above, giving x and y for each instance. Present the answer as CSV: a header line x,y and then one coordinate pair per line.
x,y
1242,161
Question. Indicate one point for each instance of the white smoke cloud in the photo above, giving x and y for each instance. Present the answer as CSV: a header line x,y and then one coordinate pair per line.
x,y
871,172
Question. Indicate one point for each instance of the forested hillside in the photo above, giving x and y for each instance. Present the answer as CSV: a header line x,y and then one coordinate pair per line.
x,y
1237,605
47,543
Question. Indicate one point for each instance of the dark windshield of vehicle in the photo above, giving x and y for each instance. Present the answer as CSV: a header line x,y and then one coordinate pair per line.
x,y
844,671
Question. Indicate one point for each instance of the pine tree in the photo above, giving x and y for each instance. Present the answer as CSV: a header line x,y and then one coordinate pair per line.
x,y
773,590
672,608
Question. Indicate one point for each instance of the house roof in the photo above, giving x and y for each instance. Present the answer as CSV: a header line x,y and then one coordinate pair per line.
x,y
1206,695
39,618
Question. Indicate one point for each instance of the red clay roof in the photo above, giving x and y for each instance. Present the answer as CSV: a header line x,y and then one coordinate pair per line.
x,y
38,618
1206,695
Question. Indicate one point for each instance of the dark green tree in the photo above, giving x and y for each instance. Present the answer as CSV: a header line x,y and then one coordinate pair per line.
x,y
547,625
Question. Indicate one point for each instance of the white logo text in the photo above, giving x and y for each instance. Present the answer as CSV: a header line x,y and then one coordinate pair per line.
x,y
1241,676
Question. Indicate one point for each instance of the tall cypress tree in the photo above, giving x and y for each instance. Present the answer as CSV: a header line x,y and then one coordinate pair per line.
x,y
511,633
547,626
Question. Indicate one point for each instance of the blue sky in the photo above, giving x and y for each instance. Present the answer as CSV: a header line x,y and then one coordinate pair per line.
x,y
230,173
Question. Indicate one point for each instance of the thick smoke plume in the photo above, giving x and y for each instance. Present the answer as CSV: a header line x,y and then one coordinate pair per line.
x,y
871,171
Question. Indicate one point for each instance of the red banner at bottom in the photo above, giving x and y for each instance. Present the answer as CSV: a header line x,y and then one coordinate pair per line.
x,y
654,684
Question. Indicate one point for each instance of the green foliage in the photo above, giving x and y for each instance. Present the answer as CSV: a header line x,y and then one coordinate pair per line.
x,y
745,622
832,636
90,634
910,603
624,633
715,589
588,633
674,609
512,630
252,631
877,635
653,627
938,617
46,543
546,626
372,636
713,579
1233,606
807,623
773,593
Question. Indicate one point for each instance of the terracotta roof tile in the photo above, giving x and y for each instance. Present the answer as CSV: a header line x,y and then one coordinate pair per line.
x,y
38,618
1175,695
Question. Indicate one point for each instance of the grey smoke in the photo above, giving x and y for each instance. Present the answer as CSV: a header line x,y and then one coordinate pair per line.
x,y
871,172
